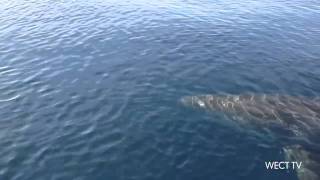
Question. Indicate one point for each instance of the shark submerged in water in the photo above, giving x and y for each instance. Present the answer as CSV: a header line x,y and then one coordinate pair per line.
x,y
295,119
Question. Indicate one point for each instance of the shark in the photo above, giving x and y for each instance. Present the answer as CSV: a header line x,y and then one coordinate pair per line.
x,y
294,119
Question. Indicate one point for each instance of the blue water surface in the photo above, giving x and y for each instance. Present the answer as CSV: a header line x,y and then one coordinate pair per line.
x,y
89,89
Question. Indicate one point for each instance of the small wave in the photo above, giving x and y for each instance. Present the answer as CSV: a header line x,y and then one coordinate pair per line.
x,y
10,99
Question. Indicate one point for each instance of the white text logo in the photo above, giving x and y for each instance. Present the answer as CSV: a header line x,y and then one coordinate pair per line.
x,y
283,165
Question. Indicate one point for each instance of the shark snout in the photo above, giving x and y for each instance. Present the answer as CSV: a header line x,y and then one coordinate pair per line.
x,y
186,101
192,101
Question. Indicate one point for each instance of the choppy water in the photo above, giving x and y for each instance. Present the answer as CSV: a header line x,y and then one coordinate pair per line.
x,y
89,89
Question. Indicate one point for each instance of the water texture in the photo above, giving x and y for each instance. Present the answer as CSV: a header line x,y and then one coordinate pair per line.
x,y
90,89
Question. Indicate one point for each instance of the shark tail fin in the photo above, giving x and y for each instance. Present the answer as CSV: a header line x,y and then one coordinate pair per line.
x,y
310,169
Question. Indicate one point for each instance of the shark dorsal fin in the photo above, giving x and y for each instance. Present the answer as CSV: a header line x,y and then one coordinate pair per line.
x,y
310,169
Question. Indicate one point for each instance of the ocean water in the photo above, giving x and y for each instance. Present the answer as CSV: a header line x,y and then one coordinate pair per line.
x,y
89,90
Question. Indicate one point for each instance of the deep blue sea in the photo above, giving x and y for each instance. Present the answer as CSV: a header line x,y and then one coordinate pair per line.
x,y
89,89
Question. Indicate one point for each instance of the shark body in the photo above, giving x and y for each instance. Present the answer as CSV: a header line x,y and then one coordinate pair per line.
x,y
298,117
